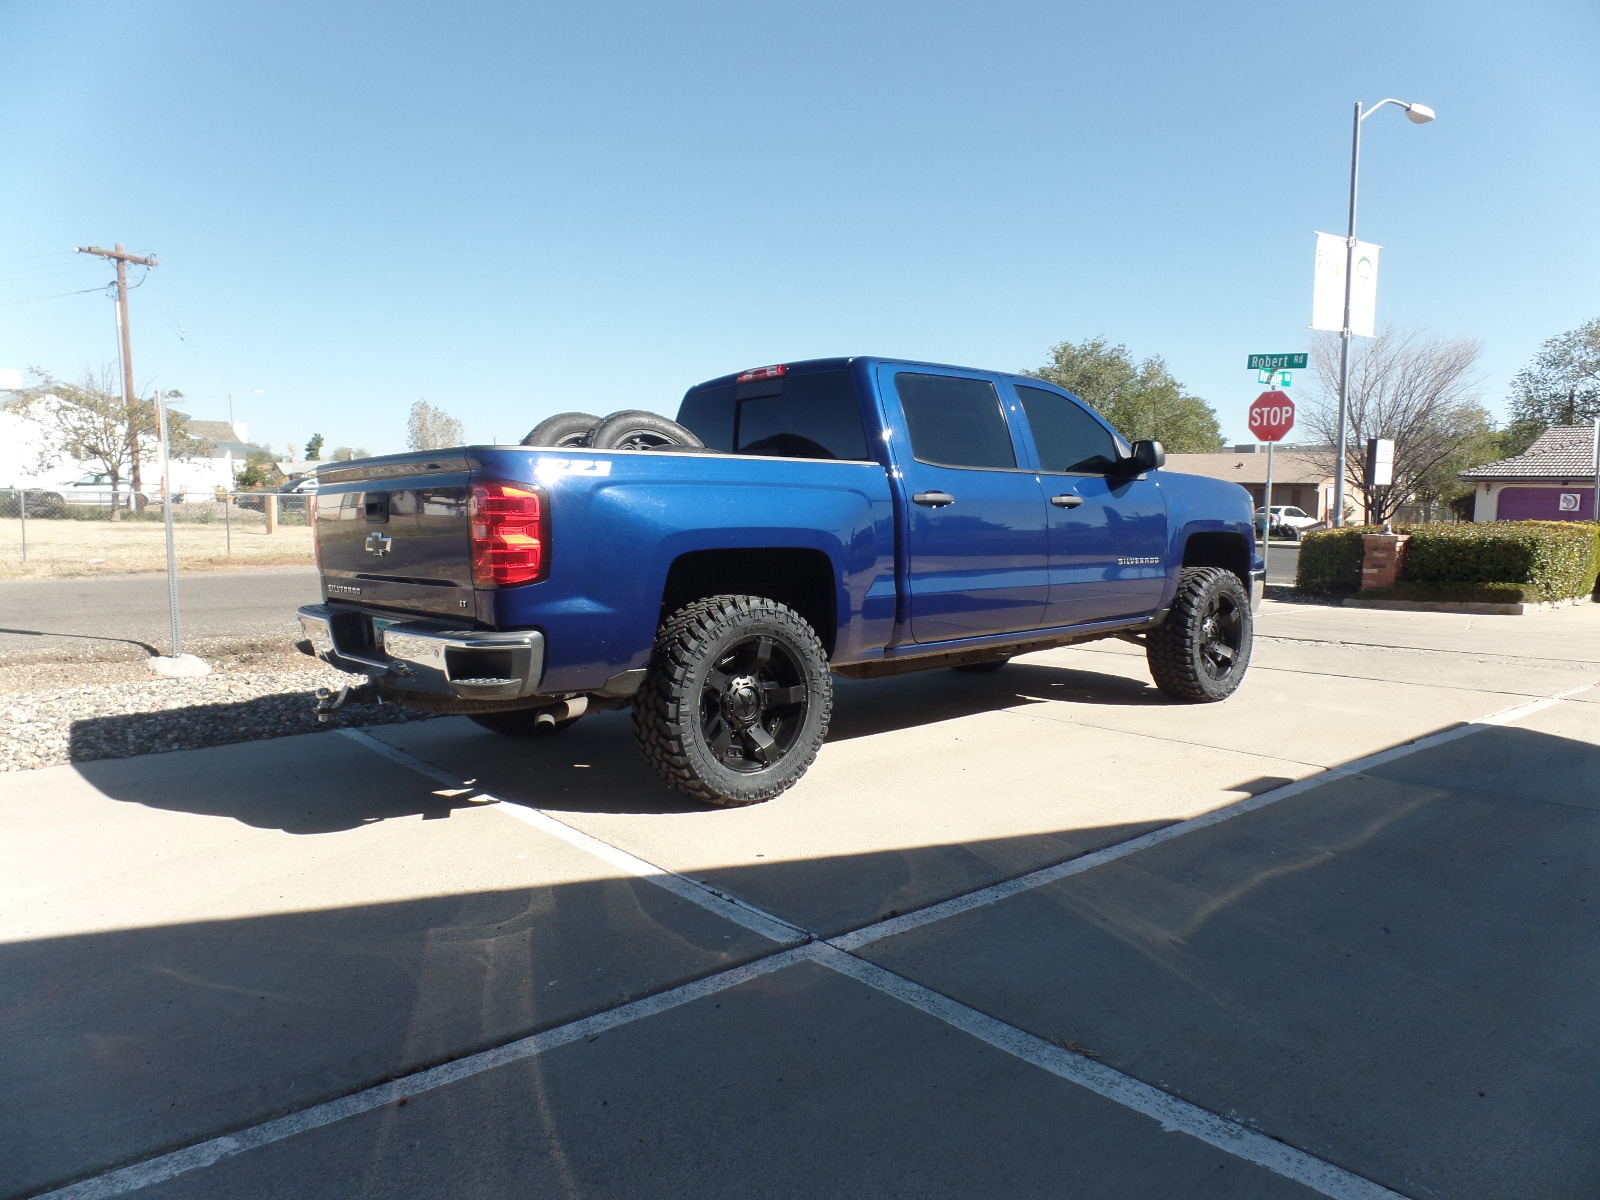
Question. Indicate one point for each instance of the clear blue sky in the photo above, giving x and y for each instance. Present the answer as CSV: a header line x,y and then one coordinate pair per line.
x,y
513,209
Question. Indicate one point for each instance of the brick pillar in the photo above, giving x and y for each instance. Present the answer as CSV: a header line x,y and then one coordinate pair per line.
x,y
1382,556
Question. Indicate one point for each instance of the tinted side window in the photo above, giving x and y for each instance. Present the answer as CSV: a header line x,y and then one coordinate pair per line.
x,y
795,416
955,422
1068,438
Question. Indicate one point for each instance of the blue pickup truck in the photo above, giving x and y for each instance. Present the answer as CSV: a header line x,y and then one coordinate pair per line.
x,y
850,516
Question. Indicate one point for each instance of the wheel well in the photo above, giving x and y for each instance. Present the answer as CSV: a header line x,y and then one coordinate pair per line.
x,y
802,579
1227,550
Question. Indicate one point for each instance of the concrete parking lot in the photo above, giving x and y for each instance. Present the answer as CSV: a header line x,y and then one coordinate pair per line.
x,y
1034,933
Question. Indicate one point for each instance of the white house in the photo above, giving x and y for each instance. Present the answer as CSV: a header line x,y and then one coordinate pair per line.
x,y
21,440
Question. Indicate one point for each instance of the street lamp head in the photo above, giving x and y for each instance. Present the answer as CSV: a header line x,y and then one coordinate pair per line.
x,y
1419,114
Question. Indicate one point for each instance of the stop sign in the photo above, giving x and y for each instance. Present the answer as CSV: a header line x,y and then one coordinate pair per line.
x,y
1271,416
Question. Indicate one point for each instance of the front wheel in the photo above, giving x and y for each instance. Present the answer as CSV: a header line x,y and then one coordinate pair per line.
x,y
736,701
1200,653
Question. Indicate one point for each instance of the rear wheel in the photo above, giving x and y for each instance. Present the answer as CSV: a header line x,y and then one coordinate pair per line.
x,y
1200,653
563,429
635,429
736,701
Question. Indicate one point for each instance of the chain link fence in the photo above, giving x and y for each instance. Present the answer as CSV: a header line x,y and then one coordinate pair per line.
x,y
217,506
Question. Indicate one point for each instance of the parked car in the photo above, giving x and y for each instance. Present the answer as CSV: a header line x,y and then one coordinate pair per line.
x,y
291,495
96,490
1287,521
862,517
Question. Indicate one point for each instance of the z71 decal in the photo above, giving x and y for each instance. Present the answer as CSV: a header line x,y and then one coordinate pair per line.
x,y
549,468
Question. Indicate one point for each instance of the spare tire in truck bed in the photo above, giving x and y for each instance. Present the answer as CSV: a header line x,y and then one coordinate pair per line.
x,y
635,429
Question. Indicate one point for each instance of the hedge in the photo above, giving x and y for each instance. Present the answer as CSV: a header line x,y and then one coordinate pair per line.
x,y
1545,560
1455,593
1330,559
1553,559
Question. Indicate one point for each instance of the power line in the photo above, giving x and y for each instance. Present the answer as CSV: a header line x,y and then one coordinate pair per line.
x,y
56,295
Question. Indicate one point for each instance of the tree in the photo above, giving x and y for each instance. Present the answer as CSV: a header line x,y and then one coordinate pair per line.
x,y
1141,401
1420,391
88,422
314,448
430,428
259,470
1561,386
345,453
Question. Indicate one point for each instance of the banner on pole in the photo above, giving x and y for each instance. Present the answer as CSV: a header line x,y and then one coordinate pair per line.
x,y
1327,287
1364,291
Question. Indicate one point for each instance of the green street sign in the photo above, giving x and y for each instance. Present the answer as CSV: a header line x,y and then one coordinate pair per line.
x,y
1279,378
1277,362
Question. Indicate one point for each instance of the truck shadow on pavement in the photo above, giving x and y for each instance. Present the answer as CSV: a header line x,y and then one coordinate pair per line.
x,y
1409,949
594,766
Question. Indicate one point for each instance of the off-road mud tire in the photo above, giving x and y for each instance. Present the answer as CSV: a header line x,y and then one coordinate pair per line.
x,y
682,709
1210,611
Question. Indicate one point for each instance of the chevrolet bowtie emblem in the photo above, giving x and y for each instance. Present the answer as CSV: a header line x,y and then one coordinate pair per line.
x,y
377,543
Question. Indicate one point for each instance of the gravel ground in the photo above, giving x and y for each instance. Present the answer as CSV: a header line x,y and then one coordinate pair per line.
x,y
132,712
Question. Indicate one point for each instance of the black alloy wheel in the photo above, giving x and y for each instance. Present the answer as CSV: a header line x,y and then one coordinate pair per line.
x,y
753,704
1221,636
1200,653
736,701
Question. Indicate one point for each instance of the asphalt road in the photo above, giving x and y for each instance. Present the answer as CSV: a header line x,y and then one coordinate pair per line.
x,y
1000,941
79,616
1283,558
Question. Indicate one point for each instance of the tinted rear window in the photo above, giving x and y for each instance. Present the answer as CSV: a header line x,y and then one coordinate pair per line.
x,y
795,416
955,422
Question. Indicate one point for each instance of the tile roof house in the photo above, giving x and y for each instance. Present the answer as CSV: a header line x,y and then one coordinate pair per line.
x,y
1296,478
1553,480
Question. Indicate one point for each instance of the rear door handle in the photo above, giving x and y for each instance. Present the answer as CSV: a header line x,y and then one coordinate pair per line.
x,y
933,499
1066,500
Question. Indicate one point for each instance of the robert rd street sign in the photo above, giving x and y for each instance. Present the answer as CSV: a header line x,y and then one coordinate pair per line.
x,y
1271,416
1277,362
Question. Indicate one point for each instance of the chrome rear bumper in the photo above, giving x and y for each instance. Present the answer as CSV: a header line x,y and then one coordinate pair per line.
x,y
420,656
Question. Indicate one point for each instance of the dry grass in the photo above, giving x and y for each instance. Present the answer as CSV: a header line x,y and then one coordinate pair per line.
x,y
63,549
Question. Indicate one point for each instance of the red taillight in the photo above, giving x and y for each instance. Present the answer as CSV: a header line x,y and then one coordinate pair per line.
x,y
755,373
510,536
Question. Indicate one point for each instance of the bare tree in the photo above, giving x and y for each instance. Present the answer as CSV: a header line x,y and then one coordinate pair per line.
x,y
90,423
1419,390
430,428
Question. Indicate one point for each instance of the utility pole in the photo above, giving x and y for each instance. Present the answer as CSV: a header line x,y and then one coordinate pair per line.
x,y
122,259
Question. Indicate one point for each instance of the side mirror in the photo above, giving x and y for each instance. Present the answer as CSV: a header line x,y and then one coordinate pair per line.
x,y
1146,456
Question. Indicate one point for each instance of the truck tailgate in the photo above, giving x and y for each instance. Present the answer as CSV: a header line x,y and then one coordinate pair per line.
x,y
396,535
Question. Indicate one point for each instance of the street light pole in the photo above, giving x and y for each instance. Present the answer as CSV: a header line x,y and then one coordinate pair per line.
x,y
1417,114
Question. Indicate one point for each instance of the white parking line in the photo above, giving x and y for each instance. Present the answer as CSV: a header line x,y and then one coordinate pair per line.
x,y
1173,1114
179,1162
1074,866
728,907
